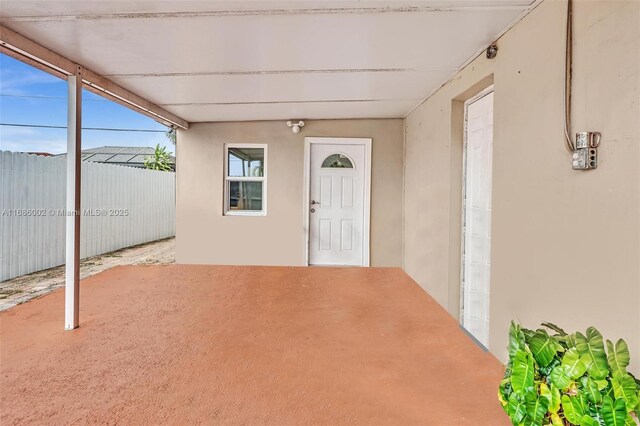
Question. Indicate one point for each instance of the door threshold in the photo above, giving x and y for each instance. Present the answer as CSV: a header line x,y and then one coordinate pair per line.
x,y
336,266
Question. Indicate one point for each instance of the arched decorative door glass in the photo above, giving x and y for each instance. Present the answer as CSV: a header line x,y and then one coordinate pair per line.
x,y
337,161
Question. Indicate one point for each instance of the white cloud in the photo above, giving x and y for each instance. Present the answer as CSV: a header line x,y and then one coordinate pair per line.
x,y
12,81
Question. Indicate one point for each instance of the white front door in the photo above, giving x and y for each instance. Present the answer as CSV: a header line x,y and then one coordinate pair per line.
x,y
477,218
338,220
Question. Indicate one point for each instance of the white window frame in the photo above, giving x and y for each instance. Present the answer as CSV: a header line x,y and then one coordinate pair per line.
x,y
227,199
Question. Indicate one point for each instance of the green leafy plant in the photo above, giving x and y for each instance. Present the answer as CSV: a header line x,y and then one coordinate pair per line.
x,y
562,379
161,160
171,134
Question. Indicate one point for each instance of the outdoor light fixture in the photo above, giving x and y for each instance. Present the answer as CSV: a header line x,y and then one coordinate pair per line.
x,y
492,51
295,127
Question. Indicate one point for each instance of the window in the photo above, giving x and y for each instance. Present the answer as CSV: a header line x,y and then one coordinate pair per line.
x,y
245,179
340,161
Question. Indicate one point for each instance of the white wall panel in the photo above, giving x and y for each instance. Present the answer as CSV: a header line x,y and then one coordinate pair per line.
x,y
34,240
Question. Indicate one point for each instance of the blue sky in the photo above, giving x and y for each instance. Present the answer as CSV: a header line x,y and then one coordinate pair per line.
x,y
30,96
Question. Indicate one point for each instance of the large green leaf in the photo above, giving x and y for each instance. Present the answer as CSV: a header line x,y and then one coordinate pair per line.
x,y
552,394
625,388
618,357
573,409
595,412
588,421
614,413
574,363
516,409
584,402
516,339
545,371
502,392
536,408
593,348
590,388
560,377
543,347
556,420
522,372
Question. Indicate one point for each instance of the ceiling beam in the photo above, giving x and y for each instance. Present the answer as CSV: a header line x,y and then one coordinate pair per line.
x,y
32,53
280,72
34,63
324,101
267,12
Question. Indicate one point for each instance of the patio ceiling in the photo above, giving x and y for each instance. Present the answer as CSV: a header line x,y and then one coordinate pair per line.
x,y
265,60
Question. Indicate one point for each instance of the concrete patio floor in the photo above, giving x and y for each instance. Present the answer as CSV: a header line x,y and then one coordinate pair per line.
x,y
176,344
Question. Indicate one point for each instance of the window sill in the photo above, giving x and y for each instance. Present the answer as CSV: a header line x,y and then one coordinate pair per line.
x,y
245,213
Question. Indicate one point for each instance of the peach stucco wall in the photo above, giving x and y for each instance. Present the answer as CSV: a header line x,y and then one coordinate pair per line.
x,y
565,244
204,235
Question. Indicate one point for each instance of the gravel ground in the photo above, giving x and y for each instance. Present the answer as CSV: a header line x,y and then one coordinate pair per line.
x,y
21,289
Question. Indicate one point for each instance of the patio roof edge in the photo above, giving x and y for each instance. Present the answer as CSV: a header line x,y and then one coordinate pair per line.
x,y
19,47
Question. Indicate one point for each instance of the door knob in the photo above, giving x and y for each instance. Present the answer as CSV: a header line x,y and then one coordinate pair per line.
x,y
314,202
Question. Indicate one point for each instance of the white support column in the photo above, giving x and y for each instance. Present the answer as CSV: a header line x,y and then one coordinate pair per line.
x,y
74,167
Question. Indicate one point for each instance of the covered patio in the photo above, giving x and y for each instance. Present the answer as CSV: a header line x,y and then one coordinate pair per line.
x,y
245,345
465,190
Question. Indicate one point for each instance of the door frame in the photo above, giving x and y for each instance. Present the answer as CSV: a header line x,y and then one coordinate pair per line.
x,y
366,142
484,92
